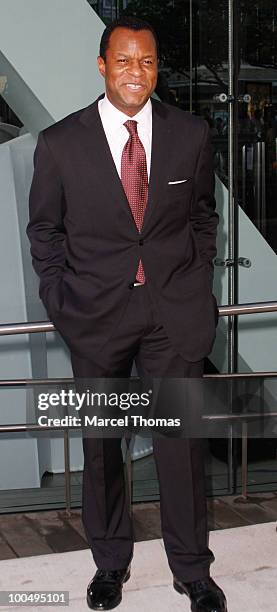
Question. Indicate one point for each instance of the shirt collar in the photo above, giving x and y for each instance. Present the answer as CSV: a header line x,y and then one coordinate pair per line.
x,y
116,118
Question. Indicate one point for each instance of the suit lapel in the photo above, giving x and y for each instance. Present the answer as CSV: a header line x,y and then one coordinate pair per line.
x,y
95,142
159,157
97,146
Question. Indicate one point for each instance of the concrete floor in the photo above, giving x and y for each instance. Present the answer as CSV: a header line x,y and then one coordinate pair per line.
x,y
245,567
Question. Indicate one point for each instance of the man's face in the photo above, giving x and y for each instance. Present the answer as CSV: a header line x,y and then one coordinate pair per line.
x,y
130,70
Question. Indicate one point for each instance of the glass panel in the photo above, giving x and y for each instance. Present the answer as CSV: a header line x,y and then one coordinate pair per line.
x,y
257,191
257,179
210,75
257,122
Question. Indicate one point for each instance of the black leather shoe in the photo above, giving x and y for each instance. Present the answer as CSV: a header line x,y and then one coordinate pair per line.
x,y
104,591
204,594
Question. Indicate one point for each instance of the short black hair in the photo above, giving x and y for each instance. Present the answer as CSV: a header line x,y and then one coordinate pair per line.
x,y
129,22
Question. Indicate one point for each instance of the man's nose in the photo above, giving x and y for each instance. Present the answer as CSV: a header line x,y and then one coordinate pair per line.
x,y
134,67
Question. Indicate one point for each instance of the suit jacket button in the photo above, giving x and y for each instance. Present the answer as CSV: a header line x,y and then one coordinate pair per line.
x,y
131,286
140,242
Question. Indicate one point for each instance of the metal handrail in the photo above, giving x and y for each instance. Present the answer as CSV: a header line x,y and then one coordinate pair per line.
x,y
22,382
223,311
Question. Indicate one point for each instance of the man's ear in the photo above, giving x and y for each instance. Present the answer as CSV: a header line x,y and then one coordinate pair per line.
x,y
101,65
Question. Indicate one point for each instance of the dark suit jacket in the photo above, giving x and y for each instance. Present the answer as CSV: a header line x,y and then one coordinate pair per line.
x,y
85,244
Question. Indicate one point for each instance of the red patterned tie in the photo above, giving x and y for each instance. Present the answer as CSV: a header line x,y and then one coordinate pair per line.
x,y
134,180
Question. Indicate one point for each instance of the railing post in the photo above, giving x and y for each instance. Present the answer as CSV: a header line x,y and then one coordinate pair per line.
x,y
67,472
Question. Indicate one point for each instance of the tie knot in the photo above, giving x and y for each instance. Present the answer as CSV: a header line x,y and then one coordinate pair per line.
x,y
131,126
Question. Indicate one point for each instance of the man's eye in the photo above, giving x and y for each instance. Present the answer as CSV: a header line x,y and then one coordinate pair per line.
x,y
122,61
148,62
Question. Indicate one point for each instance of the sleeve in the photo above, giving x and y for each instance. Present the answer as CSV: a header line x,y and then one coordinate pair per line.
x,y
204,218
45,229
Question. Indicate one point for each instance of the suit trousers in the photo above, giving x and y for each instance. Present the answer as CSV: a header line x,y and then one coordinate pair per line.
x,y
141,338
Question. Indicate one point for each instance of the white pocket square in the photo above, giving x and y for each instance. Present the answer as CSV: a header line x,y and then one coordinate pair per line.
x,y
177,182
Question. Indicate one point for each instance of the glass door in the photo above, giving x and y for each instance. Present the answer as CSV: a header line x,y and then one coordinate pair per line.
x,y
255,140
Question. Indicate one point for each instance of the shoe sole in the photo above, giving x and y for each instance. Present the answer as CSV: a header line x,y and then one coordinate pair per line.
x,y
108,607
180,590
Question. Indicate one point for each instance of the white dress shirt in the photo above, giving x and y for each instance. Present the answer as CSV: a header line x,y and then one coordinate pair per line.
x,y
117,134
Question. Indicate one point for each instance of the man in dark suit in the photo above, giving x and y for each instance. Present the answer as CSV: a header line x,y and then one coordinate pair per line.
x,y
122,230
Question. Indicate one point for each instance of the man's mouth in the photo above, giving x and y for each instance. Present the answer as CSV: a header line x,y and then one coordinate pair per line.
x,y
134,86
